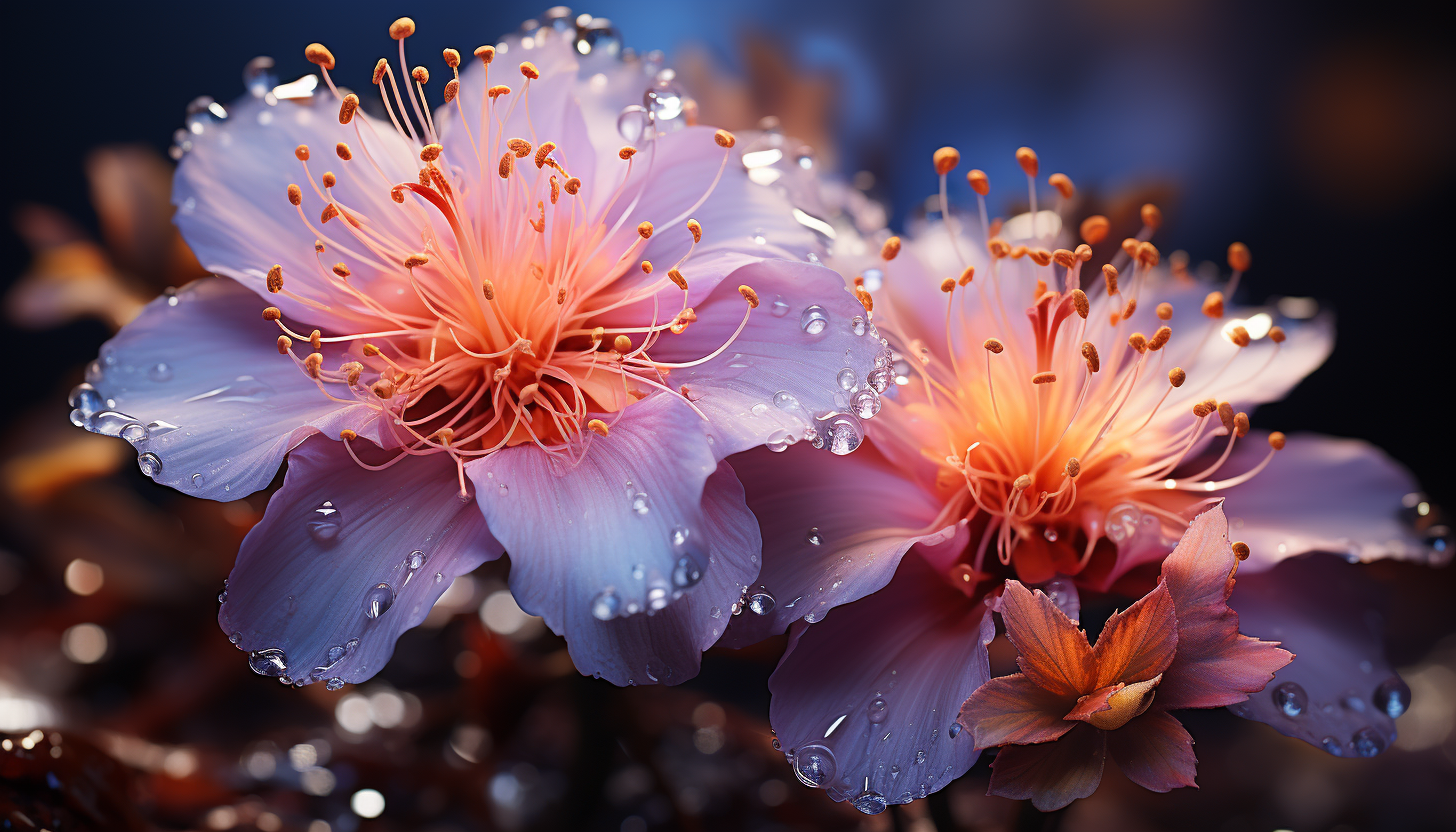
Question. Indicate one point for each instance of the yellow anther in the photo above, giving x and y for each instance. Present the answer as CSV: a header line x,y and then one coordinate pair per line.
x,y
993,346
647,267
529,70
1176,376
312,364
352,370
401,28
1022,482
622,344
1095,229
976,178
341,270
676,277
486,54
497,91
1276,441
598,427
1160,338
1152,216
1040,256
1064,258
1129,309
1239,336
1044,378
370,350
998,248
414,260
284,344
383,388
329,179
348,433
644,230
1241,424
317,53
301,152
421,75
1081,303
749,295
343,151
696,229
316,340
948,285
724,139
626,152
1089,353
348,107
275,279
598,334
1026,157
945,160
295,194
520,147
1063,184
379,69
1241,550
452,89
891,248
1165,311
487,288
272,313
1213,305
1239,258
863,296
967,276
1147,254
1138,341
1226,415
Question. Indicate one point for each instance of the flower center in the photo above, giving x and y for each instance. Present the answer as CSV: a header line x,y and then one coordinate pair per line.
x,y
485,316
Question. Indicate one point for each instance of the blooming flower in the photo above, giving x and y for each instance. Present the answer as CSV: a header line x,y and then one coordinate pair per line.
x,y
494,327
1057,421
1074,703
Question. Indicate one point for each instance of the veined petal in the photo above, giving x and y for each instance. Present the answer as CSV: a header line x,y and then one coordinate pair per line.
x,y
868,711
1322,494
624,535
1339,692
1052,651
1014,710
345,559
1214,665
834,530
1051,774
198,380
778,378
1138,643
1155,752
231,193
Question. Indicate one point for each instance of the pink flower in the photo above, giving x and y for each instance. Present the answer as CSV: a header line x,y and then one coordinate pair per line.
x,y
1050,420
1074,703
495,327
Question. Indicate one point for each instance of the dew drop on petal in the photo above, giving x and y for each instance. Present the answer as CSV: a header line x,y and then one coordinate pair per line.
x,y
1367,742
813,320
1291,699
1393,697
334,683
640,503
878,709
814,765
778,308
813,536
324,524
871,803
269,661
378,600
605,605
150,463
686,573
761,602
847,379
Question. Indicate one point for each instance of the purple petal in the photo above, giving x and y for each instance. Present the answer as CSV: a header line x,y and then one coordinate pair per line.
x,y
834,529
1339,693
609,550
232,206
1328,495
778,377
345,559
865,703
200,389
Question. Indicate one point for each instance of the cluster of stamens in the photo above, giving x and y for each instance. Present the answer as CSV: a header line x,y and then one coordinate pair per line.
x,y
1047,431
498,344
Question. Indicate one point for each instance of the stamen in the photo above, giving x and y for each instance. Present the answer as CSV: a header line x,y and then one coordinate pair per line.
x,y
1095,229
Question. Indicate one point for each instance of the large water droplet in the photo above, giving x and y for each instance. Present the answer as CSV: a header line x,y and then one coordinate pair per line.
x,y
269,661
599,38
778,308
664,100
865,403
878,709
415,560
632,122
784,400
955,730
605,605
1291,699
1393,697
86,399
1332,746
378,600
1367,742
847,379
813,537
814,765
150,463
258,76
813,320
109,422
640,503
1122,522
871,803
686,572
761,602
134,433
842,435
334,683
779,441
324,524
656,597
857,325
335,654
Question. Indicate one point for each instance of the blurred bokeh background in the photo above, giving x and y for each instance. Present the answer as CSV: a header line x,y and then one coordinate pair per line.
x,y
1321,136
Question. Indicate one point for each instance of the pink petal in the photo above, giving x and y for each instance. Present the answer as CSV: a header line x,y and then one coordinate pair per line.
x,y
1051,774
1339,693
1052,652
1325,495
232,205
1154,751
880,702
201,368
1014,710
1214,665
607,551
777,380
345,559
834,529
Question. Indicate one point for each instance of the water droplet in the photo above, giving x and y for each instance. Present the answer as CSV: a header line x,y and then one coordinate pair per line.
x,y
656,597
109,422
324,524
150,463
878,709
955,730
919,757
159,372
269,661
759,237
761,602
1367,742
334,683
599,38
638,571
503,490
871,803
865,403
814,765
842,435
378,600
879,379
857,325
847,379
686,573
1122,522
605,606
258,76
778,308
242,389
1291,699
632,122
159,428
784,400
873,279
779,441
335,654
1332,745
1393,697
85,398
640,504
235,637
415,560
134,433
813,320
664,100
813,537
